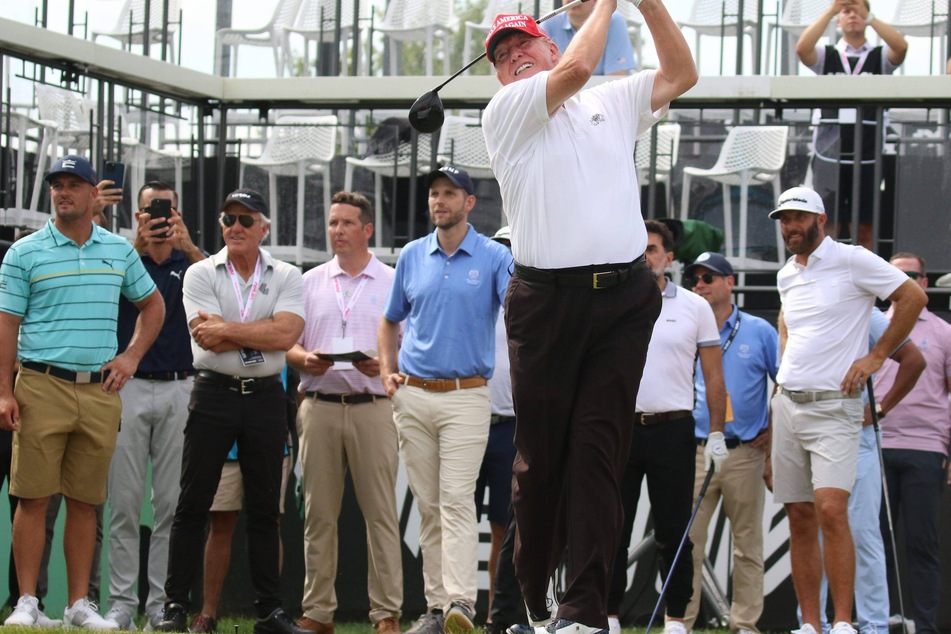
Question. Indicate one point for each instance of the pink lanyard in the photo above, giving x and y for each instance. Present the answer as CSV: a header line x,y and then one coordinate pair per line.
x,y
345,310
245,309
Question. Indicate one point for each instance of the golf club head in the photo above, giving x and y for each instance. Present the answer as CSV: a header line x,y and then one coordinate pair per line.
x,y
427,113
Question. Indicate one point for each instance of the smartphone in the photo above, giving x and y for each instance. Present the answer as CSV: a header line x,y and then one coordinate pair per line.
x,y
160,208
115,172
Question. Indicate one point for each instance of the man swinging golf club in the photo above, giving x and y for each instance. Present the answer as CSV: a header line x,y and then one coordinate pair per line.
x,y
581,304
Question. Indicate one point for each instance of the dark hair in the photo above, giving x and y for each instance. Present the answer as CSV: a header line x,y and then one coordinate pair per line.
x,y
159,186
355,200
22,233
907,255
666,237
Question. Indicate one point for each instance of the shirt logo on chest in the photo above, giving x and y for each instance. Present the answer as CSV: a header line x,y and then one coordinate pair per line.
x,y
473,277
176,274
597,119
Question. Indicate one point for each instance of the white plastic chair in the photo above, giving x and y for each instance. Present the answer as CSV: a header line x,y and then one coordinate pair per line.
x,y
130,24
707,17
796,17
751,155
295,146
492,9
270,34
21,124
667,153
316,21
462,144
418,20
924,18
395,164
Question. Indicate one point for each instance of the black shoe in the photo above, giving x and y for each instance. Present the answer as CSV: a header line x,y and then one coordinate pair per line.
x,y
174,618
278,622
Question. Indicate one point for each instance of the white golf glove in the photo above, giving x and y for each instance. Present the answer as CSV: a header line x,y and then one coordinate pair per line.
x,y
715,452
636,3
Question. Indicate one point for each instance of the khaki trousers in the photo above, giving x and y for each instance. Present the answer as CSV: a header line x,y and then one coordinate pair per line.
x,y
740,485
361,438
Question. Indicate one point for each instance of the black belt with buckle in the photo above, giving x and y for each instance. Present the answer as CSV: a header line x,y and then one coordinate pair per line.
x,y
644,418
731,443
64,374
597,277
164,376
241,385
344,399
498,419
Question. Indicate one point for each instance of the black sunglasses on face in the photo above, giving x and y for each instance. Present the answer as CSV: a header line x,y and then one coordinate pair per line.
x,y
228,220
706,277
913,274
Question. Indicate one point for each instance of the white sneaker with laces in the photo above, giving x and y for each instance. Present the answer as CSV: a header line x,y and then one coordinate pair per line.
x,y
614,625
26,613
564,626
674,627
84,614
842,627
44,621
805,629
121,617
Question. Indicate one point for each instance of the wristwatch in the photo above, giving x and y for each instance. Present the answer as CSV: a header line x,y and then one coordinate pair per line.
x,y
879,411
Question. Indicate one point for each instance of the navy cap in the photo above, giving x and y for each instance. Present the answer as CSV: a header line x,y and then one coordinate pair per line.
x,y
73,164
709,260
456,175
250,199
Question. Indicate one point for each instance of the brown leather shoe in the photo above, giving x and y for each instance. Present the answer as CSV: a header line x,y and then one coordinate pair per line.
x,y
389,625
315,626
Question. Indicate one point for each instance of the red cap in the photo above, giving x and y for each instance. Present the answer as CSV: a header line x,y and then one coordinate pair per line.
x,y
505,22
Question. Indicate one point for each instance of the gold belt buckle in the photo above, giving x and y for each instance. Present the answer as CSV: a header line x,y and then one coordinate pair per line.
x,y
594,279
247,386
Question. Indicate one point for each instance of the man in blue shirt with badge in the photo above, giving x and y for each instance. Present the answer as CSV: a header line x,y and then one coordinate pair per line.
x,y
448,287
750,359
618,56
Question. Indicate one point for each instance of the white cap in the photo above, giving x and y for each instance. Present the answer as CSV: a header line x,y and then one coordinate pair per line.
x,y
503,234
799,199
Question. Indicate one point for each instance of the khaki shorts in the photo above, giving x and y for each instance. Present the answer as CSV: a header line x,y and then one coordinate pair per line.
x,y
815,445
230,493
66,439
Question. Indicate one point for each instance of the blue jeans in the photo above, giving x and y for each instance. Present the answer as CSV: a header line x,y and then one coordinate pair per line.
x,y
915,481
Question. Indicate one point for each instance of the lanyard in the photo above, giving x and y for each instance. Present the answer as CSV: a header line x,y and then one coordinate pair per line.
x,y
858,65
245,309
345,310
736,329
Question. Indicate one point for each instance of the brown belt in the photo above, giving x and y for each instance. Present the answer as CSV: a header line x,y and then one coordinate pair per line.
x,y
642,418
445,385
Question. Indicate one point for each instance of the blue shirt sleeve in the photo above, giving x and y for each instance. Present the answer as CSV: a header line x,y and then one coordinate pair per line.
x,y
618,52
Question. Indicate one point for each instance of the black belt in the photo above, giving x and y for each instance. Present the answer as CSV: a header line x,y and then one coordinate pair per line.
x,y
597,277
644,418
497,419
64,374
239,384
731,443
164,376
344,399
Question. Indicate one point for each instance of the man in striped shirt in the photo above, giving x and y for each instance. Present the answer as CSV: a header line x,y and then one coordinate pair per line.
x,y
59,301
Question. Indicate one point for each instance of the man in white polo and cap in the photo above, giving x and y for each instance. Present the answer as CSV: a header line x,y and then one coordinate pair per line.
x,y
817,409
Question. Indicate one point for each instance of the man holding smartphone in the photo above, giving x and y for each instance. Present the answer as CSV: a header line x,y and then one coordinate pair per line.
x,y
153,412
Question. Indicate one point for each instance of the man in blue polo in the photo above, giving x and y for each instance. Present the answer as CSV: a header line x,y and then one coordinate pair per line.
x,y
448,287
59,300
750,348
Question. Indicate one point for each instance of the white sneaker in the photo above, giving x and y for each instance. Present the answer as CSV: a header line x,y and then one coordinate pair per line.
x,y
84,614
564,626
614,625
674,627
805,629
842,627
121,617
44,621
26,613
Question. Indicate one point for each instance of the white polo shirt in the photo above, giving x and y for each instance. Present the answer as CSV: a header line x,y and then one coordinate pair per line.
x,y
568,183
686,324
826,306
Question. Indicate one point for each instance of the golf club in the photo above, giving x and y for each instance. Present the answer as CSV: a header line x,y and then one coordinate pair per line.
x,y
427,113
888,505
683,540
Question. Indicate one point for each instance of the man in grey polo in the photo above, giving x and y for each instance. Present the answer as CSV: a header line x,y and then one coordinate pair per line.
x,y
817,410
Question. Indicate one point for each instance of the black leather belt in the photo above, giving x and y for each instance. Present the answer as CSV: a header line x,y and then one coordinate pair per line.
x,y
164,376
239,384
64,374
597,277
497,419
344,399
644,418
731,443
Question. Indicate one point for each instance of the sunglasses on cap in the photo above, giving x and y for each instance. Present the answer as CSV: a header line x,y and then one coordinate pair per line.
x,y
246,221
706,277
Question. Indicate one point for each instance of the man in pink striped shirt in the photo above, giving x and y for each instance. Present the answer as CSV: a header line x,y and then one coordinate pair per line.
x,y
345,420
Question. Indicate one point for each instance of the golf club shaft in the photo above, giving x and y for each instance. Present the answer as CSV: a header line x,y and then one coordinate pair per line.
x,y
547,16
683,540
888,504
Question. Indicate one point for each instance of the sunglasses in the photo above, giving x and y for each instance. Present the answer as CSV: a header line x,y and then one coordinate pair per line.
x,y
228,220
706,277
913,274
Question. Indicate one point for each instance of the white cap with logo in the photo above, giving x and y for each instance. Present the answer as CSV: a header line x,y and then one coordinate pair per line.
x,y
799,199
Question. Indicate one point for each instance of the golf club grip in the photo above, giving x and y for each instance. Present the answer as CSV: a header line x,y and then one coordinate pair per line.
x,y
871,404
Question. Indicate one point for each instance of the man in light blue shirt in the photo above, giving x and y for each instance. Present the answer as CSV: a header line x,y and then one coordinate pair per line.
x,y
618,57
750,360
448,287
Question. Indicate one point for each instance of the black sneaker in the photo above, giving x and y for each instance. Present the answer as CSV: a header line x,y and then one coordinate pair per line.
x,y
429,623
278,622
174,618
459,618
